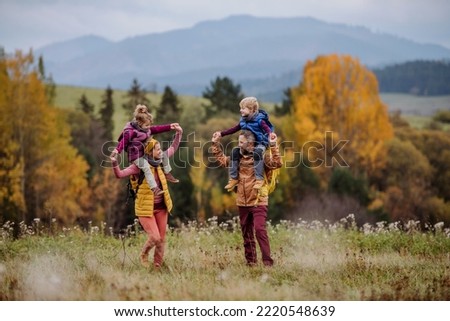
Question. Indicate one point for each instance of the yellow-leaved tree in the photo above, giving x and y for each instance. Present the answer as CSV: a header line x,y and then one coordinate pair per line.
x,y
339,118
41,174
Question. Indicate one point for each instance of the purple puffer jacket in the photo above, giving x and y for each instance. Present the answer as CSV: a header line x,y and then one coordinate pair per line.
x,y
133,139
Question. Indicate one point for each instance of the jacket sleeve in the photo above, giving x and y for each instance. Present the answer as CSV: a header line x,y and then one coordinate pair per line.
x,y
174,146
219,156
125,138
265,127
159,129
122,173
273,159
230,131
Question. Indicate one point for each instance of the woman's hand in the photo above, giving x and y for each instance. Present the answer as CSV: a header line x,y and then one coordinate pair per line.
x,y
178,129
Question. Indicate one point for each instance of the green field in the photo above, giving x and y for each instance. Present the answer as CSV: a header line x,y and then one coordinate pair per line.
x,y
416,110
69,96
415,105
313,261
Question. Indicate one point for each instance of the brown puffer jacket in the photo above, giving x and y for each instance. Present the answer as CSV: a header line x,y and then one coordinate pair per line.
x,y
246,194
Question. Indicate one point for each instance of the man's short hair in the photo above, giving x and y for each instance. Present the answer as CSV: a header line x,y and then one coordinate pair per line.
x,y
248,135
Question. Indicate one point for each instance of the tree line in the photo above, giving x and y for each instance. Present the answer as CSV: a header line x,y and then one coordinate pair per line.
x,y
343,152
420,77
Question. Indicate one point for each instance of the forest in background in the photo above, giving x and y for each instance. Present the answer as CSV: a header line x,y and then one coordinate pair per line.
x,y
54,163
423,78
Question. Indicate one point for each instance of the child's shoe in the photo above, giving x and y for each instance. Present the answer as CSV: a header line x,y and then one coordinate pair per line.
x,y
231,183
258,184
157,191
170,178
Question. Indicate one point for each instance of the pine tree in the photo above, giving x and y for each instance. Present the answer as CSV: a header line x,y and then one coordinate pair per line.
x,y
286,104
135,95
106,114
50,86
168,112
86,106
223,95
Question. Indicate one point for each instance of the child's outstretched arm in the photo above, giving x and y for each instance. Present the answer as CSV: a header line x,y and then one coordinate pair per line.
x,y
266,128
156,129
231,130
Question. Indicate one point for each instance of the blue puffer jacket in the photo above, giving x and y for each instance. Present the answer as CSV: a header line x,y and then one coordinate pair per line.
x,y
254,125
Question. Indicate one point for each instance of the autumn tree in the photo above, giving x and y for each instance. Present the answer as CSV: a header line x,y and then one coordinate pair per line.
x,y
406,180
223,95
338,116
42,174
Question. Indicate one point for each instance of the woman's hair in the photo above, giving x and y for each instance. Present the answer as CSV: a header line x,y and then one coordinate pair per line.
x,y
142,115
251,103
150,145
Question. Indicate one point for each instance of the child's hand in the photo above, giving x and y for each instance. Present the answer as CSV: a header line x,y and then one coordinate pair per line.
x,y
174,125
114,153
218,134
113,159
179,129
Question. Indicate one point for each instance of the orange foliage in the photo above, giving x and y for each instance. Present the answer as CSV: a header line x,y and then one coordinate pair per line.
x,y
339,95
42,173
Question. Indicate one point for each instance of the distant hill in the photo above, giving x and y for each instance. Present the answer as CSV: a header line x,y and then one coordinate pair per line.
x,y
416,77
265,55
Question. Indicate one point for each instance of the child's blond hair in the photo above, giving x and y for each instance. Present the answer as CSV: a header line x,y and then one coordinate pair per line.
x,y
142,115
251,103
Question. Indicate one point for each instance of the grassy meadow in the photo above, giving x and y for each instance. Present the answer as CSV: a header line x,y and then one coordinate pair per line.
x,y
313,261
417,110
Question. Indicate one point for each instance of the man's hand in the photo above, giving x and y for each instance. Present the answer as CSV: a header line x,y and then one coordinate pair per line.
x,y
273,139
216,137
174,125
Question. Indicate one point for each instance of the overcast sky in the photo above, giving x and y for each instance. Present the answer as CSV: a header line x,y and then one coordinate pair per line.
x,y
28,24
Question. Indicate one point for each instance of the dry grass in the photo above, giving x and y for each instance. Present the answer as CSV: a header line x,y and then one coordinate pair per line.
x,y
314,261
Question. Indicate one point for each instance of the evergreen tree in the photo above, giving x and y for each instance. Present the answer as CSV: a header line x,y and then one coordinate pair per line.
x,y
168,112
223,95
86,106
87,133
136,95
50,87
106,113
286,104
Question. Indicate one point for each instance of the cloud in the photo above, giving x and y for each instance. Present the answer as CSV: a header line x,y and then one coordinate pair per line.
x,y
28,23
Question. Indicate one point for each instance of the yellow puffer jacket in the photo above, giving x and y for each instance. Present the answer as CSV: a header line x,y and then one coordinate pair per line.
x,y
143,205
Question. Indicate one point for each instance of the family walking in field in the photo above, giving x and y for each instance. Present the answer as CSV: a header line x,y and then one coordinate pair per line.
x,y
250,164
